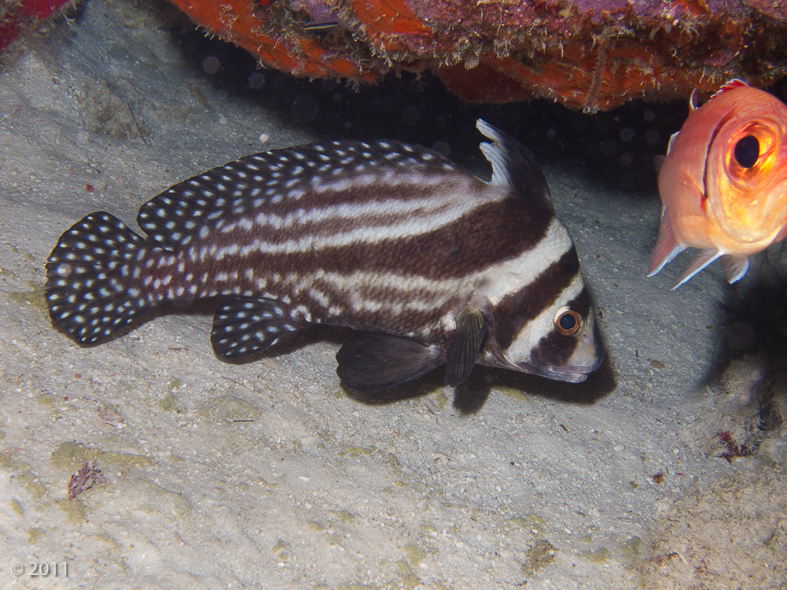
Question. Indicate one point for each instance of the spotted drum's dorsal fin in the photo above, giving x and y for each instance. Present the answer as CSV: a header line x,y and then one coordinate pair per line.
x,y
213,200
372,362
513,165
245,325
471,328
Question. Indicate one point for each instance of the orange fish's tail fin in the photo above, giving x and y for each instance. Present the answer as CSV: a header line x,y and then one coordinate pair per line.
x,y
667,248
735,267
703,259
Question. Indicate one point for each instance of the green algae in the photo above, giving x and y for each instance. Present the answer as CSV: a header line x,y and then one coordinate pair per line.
x,y
344,516
74,510
34,535
600,555
441,399
70,456
530,522
356,452
167,403
632,550
227,409
281,550
24,475
415,554
393,462
539,556
159,500
34,298
408,577
46,399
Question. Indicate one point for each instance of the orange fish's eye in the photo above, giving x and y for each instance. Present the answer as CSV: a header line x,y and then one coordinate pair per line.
x,y
747,151
568,322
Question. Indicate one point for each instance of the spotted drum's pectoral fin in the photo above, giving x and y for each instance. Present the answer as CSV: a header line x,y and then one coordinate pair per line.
x,y
667,247
245,325
371,362
735,267
702,260
471,328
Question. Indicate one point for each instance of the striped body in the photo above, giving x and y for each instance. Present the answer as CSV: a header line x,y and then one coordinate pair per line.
x,y
386,238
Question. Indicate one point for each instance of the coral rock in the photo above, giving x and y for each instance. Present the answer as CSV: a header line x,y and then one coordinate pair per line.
x,y
589,54
17,16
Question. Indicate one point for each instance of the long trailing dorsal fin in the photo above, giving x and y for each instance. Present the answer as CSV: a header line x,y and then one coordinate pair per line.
x,y
513,165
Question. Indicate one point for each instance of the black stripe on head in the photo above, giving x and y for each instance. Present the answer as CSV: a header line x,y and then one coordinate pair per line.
x,y
555,349
515,310
716,131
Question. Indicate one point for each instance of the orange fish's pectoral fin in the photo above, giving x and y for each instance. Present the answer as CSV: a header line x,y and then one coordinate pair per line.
x,y
735,267
667,247
703,259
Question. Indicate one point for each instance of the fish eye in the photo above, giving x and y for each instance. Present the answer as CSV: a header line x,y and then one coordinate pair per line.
x,y
747,151
567,321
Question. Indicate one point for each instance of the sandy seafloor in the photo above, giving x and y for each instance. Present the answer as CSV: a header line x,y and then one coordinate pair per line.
x,y
270,475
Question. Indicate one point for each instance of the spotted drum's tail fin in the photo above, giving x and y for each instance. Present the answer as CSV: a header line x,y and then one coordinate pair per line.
x,y
93,284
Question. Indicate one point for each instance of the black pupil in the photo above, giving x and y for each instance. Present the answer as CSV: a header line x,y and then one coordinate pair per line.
x,y
567,321
747,150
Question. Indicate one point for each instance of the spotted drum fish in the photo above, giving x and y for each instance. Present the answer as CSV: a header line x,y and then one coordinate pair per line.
x,y
723,183
429,264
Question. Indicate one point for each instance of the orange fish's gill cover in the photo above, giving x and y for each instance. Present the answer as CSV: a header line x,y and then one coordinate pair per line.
x,y
723,183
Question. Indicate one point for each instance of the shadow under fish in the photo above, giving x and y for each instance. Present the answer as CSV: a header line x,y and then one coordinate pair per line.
x,y
430,265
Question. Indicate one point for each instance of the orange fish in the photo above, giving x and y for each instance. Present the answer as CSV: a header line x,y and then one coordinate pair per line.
x,y
723,183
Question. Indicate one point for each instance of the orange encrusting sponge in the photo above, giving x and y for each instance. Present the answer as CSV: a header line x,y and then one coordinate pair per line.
x,y
589,54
